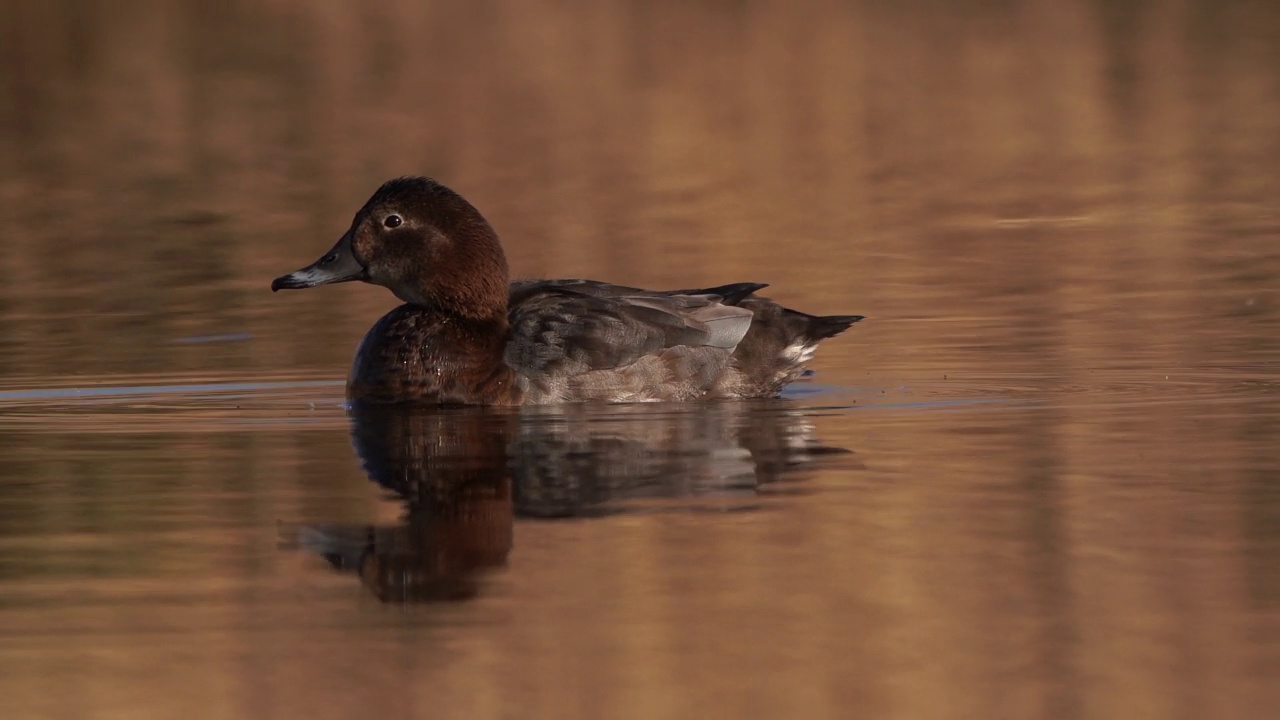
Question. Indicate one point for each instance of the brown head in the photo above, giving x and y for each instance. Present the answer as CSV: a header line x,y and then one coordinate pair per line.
x,y
423,242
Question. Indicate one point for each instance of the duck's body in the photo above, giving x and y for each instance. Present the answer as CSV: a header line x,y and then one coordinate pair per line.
x,y
466,336
576,340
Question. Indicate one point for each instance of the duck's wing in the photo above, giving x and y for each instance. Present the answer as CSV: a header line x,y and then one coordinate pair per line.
x,y
556,329
777,344
573,345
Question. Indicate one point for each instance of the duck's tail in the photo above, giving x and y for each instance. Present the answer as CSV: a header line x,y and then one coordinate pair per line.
x,y
778,344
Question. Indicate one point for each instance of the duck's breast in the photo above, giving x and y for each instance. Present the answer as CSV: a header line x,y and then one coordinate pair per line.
x,y
414,354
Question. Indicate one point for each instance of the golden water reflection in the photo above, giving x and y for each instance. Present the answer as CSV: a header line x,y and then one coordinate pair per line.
x,y
1059,218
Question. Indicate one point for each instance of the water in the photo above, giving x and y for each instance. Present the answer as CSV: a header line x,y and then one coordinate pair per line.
x,y
1040,481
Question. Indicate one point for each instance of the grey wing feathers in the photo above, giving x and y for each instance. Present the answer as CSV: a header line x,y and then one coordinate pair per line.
x,y
721,326
559,329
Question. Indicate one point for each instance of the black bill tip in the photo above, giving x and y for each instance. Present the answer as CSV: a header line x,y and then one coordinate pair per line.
x,y
285,282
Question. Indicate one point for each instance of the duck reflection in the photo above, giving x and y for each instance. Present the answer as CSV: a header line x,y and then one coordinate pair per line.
x,y
464,474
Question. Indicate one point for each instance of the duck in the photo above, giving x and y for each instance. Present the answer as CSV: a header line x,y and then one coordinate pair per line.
x,y
468,335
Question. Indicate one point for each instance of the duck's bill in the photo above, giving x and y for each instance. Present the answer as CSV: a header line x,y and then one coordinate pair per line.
x,y
337,265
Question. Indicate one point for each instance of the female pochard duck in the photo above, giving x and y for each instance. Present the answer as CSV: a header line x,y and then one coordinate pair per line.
x,y
466,335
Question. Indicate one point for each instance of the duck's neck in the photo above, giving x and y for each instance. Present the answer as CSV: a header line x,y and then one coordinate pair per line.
x,y
477,291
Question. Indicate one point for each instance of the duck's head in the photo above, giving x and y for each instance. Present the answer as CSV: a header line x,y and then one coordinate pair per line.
x,y
423,242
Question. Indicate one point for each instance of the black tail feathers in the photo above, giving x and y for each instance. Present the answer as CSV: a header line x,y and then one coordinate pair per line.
x,y
823,327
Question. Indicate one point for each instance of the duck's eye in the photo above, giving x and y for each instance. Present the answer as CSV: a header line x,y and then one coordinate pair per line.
x,y
393,221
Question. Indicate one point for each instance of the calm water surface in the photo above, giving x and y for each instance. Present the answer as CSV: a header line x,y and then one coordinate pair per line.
x,y
1042,480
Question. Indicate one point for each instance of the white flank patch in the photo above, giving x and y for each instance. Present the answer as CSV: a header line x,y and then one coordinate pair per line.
x,y
799,352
